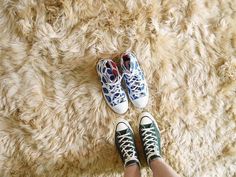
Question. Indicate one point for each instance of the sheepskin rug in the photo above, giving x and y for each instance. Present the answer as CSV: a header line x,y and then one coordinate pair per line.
x,y
54,121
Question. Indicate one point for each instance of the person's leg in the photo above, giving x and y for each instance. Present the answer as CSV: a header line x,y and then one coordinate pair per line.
x,y
125,144
162,169
151,141
132,171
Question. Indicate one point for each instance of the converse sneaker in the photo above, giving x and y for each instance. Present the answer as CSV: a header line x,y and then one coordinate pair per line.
x,y
134,80
150,137
125,144
114,94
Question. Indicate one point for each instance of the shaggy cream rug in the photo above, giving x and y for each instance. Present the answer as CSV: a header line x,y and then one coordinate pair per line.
x,y
53,118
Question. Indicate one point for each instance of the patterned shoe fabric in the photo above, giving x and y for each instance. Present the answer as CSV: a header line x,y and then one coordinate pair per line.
x,y
134,80
125,143
110,78
150,137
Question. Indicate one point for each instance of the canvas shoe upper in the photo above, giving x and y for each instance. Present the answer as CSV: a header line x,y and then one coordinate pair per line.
x,y
110,78
125,143
134,80
150,137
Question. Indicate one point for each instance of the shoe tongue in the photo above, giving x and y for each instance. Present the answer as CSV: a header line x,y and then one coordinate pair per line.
x,y
123,131
112,71
128,63
147,125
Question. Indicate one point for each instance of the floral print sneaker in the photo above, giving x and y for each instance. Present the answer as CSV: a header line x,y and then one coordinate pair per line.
x,y
134,80
112,90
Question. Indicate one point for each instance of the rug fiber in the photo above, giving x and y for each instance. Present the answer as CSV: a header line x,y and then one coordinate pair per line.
x,y
53,118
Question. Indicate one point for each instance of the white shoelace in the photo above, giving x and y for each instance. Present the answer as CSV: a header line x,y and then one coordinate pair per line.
x,y
127,147
150,142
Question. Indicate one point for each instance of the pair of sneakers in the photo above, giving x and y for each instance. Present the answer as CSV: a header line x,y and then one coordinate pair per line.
x,y
150,138
111,77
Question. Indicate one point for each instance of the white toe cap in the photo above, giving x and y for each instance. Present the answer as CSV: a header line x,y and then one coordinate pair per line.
x,y
140,102
121,126
121,108
145,120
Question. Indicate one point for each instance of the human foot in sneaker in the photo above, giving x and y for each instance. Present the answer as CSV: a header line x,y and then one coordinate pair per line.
x,y
110,78
125,144
134,79
150,137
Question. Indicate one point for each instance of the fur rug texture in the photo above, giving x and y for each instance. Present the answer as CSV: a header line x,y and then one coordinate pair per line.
x,y
54,121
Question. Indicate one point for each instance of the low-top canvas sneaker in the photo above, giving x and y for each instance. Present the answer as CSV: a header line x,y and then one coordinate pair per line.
x,y
134,80
114,94
150,137
125,143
